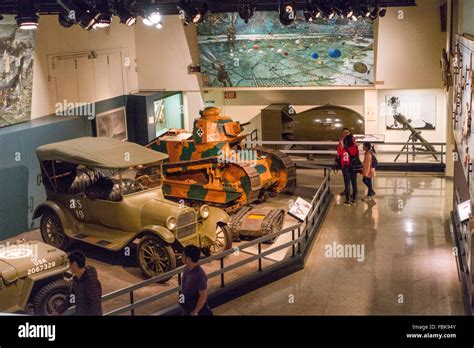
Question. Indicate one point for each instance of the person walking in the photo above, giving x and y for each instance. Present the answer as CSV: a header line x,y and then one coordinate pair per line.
x,y
86,290
368,169
340,146
350,165
194,284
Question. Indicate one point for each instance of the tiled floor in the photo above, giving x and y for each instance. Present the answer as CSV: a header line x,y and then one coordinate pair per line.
x,y
408,265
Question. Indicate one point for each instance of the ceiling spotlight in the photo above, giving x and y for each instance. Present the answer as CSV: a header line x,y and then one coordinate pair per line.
x,y
246,11
287,13
26,18
308,16
382,12
105,17
192,14
374,13
103,21
64,19
349,12
159,25
126,16
80,12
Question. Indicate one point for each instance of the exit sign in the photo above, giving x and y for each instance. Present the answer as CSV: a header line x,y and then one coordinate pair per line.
x,y
230,95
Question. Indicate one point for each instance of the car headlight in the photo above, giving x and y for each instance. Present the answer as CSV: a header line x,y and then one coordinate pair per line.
x,y
171,223
204,211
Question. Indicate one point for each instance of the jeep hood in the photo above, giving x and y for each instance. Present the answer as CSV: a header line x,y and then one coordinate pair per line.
x,y
17,259
7,272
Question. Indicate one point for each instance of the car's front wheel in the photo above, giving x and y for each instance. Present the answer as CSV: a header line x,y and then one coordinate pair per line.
x,y
155,257
223,240
52,230
50,296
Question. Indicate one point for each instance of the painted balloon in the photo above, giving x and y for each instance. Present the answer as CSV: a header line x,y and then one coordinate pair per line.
x,y
334,53
315,56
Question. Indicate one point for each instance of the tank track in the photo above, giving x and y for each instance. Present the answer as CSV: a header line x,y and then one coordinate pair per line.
x,y
286,160
274,219
253,175
236,222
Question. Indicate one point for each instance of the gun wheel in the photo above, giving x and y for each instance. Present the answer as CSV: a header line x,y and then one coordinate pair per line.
x,y
223,240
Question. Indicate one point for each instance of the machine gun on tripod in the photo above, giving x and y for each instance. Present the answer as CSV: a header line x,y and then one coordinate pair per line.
x,y
415,135
413,139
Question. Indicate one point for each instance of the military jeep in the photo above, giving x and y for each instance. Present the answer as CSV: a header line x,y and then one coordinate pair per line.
x,y
32,277
95,196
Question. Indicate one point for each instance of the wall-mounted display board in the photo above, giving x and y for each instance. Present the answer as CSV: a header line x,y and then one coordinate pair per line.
x,y
265,53
17,50
419,109
463,177
462,104
112,124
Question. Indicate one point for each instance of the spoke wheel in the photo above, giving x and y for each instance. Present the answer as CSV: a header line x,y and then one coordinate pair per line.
x,y
52,230
223,240
154,257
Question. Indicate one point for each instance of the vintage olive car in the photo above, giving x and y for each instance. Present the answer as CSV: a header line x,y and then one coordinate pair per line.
x,y
32,277
94,196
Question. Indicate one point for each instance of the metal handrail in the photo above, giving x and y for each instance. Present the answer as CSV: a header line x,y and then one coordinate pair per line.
x,y
312,219
287,142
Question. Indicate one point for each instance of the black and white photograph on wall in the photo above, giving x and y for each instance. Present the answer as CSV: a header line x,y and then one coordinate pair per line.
x,y
17,48
417,110
112,124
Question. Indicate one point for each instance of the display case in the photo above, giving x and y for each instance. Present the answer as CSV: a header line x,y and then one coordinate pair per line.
x,y
150,114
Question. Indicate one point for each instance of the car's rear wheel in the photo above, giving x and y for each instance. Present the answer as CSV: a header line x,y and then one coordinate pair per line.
x,y
155,257
223,240
50,296
52,230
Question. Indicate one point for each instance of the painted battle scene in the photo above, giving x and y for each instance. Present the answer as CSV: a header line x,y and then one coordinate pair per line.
x,y
16,72
265,53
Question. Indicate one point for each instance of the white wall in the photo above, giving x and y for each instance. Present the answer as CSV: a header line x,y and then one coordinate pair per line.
x,y
409,47
165,55
52,39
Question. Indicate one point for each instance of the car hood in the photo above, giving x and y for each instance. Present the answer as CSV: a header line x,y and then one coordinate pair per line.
x,y
17,260
157,210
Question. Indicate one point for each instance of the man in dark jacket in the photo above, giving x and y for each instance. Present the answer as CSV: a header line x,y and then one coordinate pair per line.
x,y
194,284
86,290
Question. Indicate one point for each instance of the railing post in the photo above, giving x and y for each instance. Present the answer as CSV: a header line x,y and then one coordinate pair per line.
x,y
222,274
299,241
132,301
293,252
179,279
259,259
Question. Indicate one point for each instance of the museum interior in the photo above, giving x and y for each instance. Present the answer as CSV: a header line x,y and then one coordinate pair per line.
x,y
316,152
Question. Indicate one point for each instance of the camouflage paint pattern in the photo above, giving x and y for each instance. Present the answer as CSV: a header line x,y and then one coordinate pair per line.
x,y
194,171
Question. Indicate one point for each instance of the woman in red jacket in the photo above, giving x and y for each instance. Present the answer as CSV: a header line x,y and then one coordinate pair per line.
x,y
346,153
